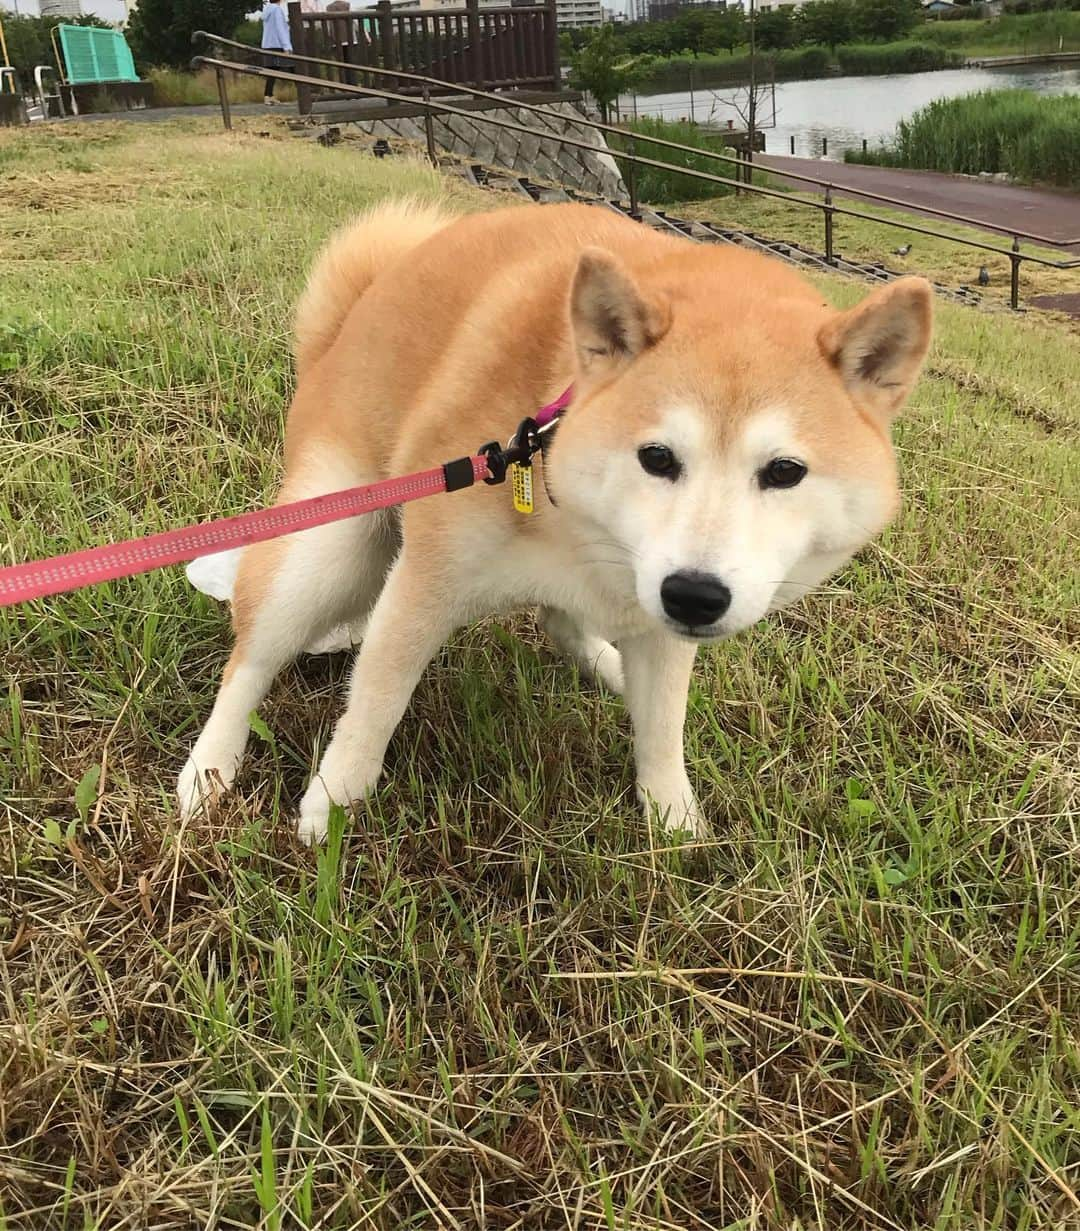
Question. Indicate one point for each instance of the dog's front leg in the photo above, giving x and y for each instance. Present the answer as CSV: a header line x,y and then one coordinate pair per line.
x,y
657,669
409,623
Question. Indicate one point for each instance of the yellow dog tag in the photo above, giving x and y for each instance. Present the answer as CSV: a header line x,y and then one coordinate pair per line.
x,y
521,480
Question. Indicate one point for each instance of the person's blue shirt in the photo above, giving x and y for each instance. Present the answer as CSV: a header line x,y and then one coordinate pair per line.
x,y
275,27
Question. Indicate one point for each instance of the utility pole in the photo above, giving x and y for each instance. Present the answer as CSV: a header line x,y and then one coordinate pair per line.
x,y
751,124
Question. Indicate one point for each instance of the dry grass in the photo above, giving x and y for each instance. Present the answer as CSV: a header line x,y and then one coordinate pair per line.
x,y
496,1001
173,88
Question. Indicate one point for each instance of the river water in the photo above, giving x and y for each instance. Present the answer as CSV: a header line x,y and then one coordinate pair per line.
x,y
846,110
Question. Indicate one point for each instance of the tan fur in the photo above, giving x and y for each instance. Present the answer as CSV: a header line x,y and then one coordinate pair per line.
x,y
347,266
418,339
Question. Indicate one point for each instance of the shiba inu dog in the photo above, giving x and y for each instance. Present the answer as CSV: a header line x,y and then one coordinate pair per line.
x,y
725,449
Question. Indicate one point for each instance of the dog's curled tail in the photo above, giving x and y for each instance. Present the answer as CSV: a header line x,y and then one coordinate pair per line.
x,y
350,262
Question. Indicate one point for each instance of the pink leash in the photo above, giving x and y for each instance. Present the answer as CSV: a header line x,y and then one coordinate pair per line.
x,y
19,583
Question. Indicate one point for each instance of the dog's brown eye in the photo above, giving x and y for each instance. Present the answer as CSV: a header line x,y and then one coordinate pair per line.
x,y
782,472
659,460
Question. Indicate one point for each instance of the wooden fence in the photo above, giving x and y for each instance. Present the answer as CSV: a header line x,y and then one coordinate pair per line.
x,y
490,48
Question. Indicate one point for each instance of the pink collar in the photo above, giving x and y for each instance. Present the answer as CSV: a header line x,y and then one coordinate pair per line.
x,y
553,410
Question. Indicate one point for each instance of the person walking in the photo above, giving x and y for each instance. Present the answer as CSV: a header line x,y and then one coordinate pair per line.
x,y
275,37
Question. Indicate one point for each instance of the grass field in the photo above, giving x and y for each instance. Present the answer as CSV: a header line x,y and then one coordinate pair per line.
x,y
497,1001
946,262
1012,34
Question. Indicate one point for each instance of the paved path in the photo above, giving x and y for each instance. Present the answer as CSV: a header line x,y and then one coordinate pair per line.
x,y
1001,207
155,115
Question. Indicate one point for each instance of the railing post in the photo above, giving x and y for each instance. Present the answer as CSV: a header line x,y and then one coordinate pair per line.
x,y
387,48
223,96
631,180
1014,282
429,128
476,51
829,257
298,34
552,30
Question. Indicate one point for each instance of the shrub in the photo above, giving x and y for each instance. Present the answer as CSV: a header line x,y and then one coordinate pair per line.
x,y
867,59
1028,136
660,187
249,32
802,64
799,64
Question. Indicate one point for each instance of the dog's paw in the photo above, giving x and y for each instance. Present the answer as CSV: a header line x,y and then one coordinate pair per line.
x,y
608,669
673,806
198,788
596,657
326,789
314,820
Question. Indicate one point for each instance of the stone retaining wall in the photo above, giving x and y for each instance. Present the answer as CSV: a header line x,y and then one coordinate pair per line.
x,y
539,157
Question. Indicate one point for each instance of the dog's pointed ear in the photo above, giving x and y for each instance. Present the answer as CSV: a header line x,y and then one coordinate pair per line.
x,y
612,321
879,345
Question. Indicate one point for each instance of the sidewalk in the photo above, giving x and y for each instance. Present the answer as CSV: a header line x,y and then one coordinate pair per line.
x,y
999,207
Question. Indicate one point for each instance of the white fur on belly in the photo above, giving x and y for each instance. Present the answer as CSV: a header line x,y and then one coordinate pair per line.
x,y
216,576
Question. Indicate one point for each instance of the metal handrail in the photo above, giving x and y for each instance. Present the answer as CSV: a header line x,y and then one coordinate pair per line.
x,y
600,126
827,207
39,82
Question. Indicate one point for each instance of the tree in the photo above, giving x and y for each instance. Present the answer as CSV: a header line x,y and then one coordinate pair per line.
x,y
727,29
650,38
28,42
886,19
689,31
603,70
160,30
775,29
830,22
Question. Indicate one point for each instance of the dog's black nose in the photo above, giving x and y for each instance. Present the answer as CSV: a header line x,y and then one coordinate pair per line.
x,y
694,599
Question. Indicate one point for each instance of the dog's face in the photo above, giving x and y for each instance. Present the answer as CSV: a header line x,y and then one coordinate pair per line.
x,y
734,460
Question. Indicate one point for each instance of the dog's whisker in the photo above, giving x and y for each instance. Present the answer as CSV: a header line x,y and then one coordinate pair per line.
x,y
605,564
622,548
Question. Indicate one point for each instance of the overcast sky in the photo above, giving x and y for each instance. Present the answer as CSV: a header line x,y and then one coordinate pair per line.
x,y
107,10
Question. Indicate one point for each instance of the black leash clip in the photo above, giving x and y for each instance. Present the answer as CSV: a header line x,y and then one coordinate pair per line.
x,y
523,444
